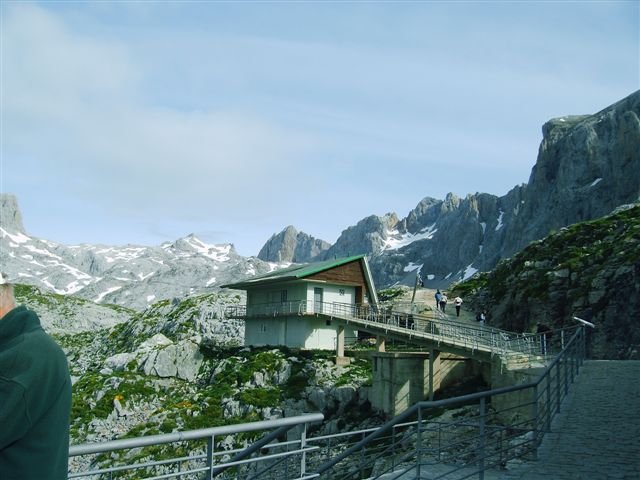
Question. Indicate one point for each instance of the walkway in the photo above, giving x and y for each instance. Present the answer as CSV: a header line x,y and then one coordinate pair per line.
x,y
596,435
429,329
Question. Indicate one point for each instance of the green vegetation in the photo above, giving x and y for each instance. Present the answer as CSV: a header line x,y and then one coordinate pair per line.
x,y
63,304
94,395
390,294
358,373
260,397
566,267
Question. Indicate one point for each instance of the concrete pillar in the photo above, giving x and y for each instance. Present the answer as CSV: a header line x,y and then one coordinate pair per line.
x,y
340,358
380,343
340,342
434,372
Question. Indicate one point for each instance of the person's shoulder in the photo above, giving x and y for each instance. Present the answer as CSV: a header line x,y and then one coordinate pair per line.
x,y
36,339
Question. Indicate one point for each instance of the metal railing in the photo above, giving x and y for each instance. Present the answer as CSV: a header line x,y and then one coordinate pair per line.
x,y
486,430
431,326
259,460
489,429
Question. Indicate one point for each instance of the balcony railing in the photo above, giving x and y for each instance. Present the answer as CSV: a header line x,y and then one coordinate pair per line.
x,y
416,328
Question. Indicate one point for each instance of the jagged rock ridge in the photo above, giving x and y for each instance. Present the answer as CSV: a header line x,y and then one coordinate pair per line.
x,y
587,166
291,246
132,275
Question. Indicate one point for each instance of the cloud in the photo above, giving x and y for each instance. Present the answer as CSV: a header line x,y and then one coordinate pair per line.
x,y
77,104
228,116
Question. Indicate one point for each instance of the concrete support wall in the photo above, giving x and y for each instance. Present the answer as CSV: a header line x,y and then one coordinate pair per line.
x,y
399,381
511,404
402,379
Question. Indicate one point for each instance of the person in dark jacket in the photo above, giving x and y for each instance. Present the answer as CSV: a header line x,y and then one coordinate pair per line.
x,y
35,396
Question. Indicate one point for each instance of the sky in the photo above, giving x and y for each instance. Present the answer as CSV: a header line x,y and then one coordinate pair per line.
x,y
141,122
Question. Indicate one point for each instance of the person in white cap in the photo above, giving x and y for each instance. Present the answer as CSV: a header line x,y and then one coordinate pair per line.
x,y
35,396
458,303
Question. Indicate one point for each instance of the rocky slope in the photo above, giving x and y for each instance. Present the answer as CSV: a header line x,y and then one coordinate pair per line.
x,y
590,270
68,315
180,366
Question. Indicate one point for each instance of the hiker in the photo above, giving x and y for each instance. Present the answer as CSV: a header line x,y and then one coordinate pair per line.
x,y
481,318
438,298
443,302
458,303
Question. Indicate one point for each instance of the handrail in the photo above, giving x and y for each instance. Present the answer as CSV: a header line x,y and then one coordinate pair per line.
x,y
125,443
415,327
206,462
480,396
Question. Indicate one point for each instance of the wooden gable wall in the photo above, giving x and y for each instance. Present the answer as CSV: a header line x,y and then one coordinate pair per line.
x,y
348,274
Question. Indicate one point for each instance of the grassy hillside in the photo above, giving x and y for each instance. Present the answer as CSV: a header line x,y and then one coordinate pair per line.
x,y
590,270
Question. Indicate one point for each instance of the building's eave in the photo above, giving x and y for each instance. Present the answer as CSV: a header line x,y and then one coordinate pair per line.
x,y
297,272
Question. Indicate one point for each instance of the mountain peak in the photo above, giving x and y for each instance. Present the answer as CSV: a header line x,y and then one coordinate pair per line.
x,y
292,246
10,216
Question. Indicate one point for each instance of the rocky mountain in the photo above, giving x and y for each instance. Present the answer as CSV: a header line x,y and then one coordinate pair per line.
x,y
590,270
587,165
291,246
133,276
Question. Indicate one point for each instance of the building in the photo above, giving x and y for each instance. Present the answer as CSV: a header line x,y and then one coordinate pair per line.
x,y
294,306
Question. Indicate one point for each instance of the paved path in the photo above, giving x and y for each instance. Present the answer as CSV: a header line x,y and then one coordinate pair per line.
x,y
596,435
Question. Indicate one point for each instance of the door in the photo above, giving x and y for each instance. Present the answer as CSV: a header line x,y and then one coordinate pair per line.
x,y
317,300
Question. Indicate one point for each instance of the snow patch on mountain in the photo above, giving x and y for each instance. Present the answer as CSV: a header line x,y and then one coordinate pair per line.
x,y
500,224
17,237
469,272
395,240
595,182
107,292
412,267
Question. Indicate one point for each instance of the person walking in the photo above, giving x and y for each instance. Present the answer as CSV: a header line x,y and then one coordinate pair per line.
x,y
458,303
438,298
35,396
443,302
